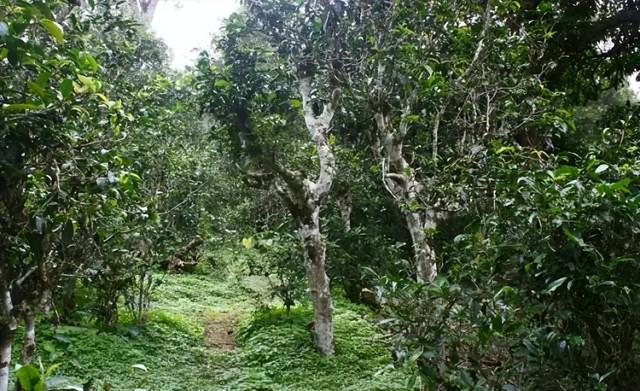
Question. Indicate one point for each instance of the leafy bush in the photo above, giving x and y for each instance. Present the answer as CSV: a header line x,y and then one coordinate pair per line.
x,y
278,257
540,289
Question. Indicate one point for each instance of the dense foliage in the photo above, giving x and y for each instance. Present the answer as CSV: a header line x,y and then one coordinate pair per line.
x,y
465,171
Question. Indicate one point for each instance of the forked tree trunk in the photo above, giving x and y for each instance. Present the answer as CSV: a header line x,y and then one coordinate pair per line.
x,y
304,198
316,193
29,341
399,178
400,181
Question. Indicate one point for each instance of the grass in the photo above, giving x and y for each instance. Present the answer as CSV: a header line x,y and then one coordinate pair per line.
x,y
274,352
277,354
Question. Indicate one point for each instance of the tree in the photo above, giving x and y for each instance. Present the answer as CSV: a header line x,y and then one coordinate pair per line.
x,y
528,127
255,52
64,187
38,147
410,77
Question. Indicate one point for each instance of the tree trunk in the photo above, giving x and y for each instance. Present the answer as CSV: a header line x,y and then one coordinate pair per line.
x,y
304,198
423,253
400,181
315,251
29,343
8,327
6,340
316,192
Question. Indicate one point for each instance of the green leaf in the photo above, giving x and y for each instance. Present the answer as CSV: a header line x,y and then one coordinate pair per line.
x,y
140,367
43,78
16,107
52,369
135,177
28,376
247,243
87,62
295,103
66,88
35,88
602,168
54,29
575,237
89,83
103,98
221,83
502,150
12,51
412,118
429,70
86,80
43,9
621,185
553,286
565,172
413,357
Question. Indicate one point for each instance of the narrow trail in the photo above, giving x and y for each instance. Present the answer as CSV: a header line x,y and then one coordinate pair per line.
x,y
219,331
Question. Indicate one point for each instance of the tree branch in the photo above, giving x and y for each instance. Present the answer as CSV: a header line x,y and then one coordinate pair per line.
x,y
319,127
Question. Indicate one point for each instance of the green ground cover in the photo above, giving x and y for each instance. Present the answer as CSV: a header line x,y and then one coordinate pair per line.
x,y
206,333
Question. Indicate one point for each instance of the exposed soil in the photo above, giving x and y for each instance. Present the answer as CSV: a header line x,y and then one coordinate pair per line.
x,y
219,329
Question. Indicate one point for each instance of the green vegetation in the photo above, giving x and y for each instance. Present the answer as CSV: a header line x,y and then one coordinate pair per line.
x,y
338,195
170,351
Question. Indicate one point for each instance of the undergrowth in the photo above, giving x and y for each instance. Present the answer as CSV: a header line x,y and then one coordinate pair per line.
x,y
277,353
275,350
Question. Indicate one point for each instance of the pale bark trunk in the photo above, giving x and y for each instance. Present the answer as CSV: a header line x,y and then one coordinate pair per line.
x,y
6,340
319,286
8,327
398,177
401,182
424,253
304,199
29,342
316,192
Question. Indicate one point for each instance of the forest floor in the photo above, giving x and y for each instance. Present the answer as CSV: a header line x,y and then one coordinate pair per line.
x,y
211,333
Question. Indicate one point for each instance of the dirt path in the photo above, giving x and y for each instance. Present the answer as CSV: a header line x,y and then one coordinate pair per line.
x,y
219,331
